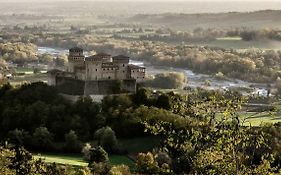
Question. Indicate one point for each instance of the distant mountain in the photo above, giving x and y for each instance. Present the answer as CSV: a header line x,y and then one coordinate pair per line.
x,y
259,19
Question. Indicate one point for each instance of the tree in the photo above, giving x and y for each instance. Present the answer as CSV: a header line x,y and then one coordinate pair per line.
x,y
106,138
99,161
120,170
278,86
72,143
164,101
87,151
6,162
23,164
19,137
248,35
42,138
147,164
205,144
172,80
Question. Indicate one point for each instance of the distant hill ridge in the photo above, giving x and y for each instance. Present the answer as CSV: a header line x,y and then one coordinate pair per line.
x,y
257,19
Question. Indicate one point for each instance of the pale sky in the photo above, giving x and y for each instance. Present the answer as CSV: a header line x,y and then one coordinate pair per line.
x,y
137,0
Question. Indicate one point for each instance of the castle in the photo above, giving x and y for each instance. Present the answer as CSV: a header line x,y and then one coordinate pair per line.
x,y
99,74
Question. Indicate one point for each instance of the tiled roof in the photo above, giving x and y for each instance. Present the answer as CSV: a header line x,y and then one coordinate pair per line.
x,y
103,55
98,57
131,66
76,49
119,57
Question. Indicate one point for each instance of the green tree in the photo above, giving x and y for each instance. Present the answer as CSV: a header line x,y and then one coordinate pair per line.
x,y
42,138
72,143
99,161
205,144
106,138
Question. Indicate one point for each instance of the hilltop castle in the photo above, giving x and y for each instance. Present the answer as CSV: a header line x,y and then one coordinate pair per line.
x,y
99,74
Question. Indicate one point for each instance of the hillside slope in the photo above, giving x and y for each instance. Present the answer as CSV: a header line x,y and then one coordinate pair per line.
x,y
259,19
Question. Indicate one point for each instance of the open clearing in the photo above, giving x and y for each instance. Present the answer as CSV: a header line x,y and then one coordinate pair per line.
x,y
257,118
133,146
77,160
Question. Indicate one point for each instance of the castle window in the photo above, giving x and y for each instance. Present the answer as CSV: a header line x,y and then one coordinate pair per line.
x,y
103,68
96,70
133,71
123,65
109,77
111,68
123,71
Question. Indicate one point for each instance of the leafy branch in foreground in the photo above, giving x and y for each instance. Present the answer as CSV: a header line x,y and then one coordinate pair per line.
x,y
213,140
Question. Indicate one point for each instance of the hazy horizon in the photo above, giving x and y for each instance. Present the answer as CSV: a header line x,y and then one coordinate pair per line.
x,y
129,7
139,1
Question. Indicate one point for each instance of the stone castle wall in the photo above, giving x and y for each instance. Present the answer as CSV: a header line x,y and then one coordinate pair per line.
x,y
100,87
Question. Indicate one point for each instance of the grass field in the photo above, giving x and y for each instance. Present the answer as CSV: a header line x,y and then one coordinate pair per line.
x,y
136,145
132,145
77,160
238,43
74,160
24,70
257,119
18,80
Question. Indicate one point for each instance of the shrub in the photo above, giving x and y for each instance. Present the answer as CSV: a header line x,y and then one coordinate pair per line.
x,y
120,170
87,151
146,164
99,161
98,154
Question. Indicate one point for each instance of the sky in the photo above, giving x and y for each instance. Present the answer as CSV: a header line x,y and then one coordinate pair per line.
x,y
134,0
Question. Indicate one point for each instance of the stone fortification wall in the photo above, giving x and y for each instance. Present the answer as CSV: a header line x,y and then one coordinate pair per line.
x,y
70,86
73,86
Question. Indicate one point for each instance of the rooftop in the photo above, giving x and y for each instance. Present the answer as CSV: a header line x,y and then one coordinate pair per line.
x,y
102,55
120,57
98,57
131,66
76,49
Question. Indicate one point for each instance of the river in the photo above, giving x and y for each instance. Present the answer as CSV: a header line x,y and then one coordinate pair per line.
x,y
194,79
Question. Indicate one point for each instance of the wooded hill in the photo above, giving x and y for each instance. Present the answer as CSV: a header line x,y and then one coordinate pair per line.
x,y
258,19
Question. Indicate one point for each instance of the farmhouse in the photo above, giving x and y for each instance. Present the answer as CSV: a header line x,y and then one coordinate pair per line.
x,y
99,74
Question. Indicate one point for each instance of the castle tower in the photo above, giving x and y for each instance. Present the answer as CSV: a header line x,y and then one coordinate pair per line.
x,y
76,58
95,66
122,62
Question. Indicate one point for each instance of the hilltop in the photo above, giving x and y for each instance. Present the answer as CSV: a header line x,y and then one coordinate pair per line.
x,y
257,19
